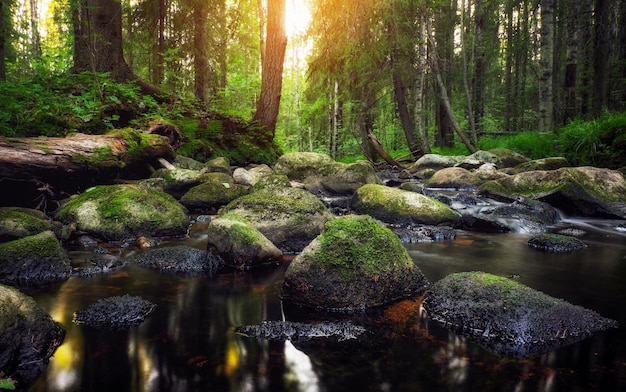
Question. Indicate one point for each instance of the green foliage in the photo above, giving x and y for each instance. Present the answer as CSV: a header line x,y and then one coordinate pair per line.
x,y
534,145
7,383
600,142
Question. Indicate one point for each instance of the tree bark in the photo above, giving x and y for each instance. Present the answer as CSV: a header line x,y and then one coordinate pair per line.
x,y
403,111
601,54
4,28
546,97
93,157
201,57
98,41
272,74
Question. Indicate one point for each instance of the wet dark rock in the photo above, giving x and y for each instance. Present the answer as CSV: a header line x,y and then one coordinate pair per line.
x,y
484,224
507,317
99,263
116,313
556,243
572,232
412,234
179,259
356,263
523,215
28,338
18,223
34,259
302,332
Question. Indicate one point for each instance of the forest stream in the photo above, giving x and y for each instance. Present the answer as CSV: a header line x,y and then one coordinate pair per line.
x,y
189,342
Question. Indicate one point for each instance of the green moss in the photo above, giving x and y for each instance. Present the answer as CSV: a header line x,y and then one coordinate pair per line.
x,y
358,244
269,201
41,245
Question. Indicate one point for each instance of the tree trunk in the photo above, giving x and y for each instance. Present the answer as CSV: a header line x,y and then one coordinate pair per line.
x,y
420,70
403,111
546,98
52,166
445,46
201,57
98,41
272,75
601,54
4,28
571,62
34,30
445,101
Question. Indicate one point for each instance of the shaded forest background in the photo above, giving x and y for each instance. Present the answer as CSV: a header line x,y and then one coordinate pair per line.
x,y
544,77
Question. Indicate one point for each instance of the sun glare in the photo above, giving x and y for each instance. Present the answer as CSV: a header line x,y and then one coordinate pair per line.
x,y
297,17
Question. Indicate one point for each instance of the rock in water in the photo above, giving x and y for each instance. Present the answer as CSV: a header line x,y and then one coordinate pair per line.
x,y
354,264
116,313
507,317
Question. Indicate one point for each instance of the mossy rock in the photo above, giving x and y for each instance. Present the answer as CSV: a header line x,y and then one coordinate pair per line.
x,y
272,181
218,165
239,243
453,177
18,222
587,191
28,337
434,162
120,212
179,181
392,205
289,217
508,157
217,191
34,259
551,163
347,178
300,165
354,264
556,243
507,317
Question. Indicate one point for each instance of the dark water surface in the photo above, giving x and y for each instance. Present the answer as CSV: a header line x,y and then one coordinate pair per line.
x,y
188,343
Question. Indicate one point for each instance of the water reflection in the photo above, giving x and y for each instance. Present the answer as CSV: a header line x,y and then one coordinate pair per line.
x,y
188,343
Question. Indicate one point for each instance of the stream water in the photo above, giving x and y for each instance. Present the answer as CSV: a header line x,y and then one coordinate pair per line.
x,y
188,343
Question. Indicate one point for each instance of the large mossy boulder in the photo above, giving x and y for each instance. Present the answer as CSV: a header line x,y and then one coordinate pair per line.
x,y
298,166
289,217
354,264
550,163
455,178
586,191
218,190
239,244
507,317
346,178
39,258
392,205
121,212
508,157
18,222
28,338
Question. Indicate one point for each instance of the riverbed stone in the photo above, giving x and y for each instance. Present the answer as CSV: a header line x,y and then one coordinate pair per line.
x,y
251,176
455,178
125,211
556,243
354,264
289,217
507,317
178,181
35,259
434,161
16,222
394,205
239,243
218,190
178,259
508,158
550,163
347,178
28,338
218,165
115,313
300,165
586,191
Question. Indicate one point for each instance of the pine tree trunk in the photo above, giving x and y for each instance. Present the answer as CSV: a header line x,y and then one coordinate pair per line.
x,y
420,70
571,61
201,57
601,54
546,98
4,19
272,75
403,110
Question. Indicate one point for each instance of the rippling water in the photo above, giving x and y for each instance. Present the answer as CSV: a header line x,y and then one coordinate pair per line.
x,y
188,343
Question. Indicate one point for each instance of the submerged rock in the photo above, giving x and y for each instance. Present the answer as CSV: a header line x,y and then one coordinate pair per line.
x,y
507,317
28,338
302,332
354,264
240,244
34,259
397,206
115,313
178,259
289,217
556,243
121,212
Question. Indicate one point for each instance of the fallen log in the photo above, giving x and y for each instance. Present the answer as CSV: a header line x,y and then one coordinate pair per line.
x,y
51,166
